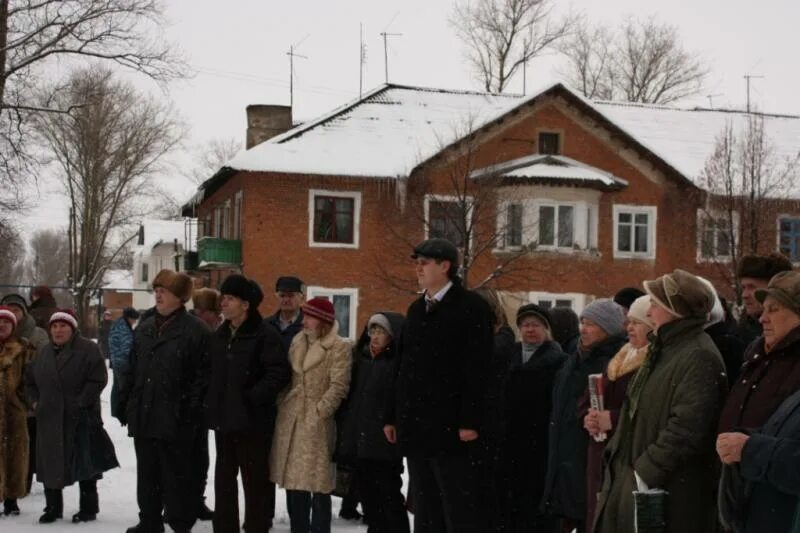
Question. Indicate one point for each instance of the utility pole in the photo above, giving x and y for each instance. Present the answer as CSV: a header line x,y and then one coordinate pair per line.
x,y
749,77
525,71
386,52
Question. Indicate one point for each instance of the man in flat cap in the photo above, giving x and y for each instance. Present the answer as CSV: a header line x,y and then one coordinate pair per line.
x,y
288,319
446,346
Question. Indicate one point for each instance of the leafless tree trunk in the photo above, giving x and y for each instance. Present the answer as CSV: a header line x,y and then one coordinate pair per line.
x,y
643,61
107,152
502,35
35,33
210,156
12,250
48,257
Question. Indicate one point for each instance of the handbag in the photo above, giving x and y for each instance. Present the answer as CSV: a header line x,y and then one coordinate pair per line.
x,y
94,451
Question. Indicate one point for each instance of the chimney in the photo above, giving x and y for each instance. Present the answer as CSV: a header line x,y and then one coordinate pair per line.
x,y
266,121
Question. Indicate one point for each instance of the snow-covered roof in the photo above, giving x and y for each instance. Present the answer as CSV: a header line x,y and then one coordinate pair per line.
x,y
556,168
394,128
166,231
118,280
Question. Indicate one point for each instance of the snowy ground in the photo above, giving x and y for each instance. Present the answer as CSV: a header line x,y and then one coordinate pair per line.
x,y
118,509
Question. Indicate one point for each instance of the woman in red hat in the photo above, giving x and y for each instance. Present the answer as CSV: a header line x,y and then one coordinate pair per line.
x,y
302,448
14,357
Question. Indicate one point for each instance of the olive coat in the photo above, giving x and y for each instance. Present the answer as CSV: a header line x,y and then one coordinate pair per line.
x,y
64,387
14,357
668,438
303,445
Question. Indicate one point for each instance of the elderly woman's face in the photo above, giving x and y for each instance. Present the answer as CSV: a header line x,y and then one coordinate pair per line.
x,y
778,320
379,338
532,330
659,316
60,332
6,328
637,332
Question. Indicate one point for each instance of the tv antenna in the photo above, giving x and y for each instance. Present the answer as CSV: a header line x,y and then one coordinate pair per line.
x,y
362,58
385,36
711,99
749,77
291,53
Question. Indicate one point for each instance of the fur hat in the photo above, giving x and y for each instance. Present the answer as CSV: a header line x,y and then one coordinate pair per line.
x,y
681,293
64,315
380,319
625,297
177,283
607,314
8,314
762,266
244,289
535,311
206,299
638,311
320,308
15,299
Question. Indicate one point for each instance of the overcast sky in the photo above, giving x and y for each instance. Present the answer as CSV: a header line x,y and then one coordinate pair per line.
x,y
238,49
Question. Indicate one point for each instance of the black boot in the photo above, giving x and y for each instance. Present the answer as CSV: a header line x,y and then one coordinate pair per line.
x,y
54,506
10,507
204,513
89,505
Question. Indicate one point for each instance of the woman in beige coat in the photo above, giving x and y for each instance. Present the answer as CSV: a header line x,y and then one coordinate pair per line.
x,y
302,448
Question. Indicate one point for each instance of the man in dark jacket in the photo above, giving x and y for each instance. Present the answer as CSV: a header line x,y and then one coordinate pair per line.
x,y
249,367
42,305
602,335
754,273
120,345
163,398
445,356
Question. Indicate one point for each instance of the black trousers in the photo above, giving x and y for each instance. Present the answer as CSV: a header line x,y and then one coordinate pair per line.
x,y
246,453
88,502
164,480
31,450
379,485
200,464
447,494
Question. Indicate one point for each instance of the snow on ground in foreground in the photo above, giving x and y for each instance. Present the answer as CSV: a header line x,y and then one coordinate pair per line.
x,y
118,509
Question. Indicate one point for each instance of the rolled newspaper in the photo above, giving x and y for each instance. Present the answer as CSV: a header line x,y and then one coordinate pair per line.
x,y
596,399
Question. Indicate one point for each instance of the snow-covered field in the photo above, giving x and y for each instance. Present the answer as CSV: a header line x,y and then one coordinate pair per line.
x,y
117,489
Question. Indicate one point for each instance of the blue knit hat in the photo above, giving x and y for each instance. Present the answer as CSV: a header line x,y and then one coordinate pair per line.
x,y
607,314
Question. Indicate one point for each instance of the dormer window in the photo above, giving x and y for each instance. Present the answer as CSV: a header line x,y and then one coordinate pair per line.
x,y
549,143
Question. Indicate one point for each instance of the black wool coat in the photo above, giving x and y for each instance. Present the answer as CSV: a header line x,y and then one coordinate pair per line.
x,y
361,416
248,370
769,485
64,387
163,393
565,484
287,334
445,356
528,406
505,346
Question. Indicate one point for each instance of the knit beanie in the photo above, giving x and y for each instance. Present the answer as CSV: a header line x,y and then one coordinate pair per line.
x,y
66,316
320,308
606,314
638,311
543,315
15,299
8,314
380,320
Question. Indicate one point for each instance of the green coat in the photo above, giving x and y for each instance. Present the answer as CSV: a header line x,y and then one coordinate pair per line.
x,y
670,440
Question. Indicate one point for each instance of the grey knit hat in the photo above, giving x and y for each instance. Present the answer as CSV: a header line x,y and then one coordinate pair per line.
x,y
607,314
380,320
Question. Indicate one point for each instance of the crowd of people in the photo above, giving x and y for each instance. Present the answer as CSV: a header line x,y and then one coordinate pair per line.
x,y
653,410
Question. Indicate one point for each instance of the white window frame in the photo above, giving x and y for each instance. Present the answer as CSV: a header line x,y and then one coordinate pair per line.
x,y
578,300
356,196
702,217
652,212
781,216
443,198
314,291
575,228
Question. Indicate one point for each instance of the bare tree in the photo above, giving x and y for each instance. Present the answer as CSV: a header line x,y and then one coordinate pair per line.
x,y
48,257
643,61
747,186
502,35
12,250
107,152
35,33
211,156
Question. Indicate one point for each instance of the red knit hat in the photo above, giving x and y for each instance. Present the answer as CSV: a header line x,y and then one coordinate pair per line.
x,y
320,308
66,316
7,313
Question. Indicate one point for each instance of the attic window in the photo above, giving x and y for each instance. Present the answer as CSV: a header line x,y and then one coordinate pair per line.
x,y
549,143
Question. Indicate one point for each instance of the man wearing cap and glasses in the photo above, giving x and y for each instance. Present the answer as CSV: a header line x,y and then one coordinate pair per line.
x,y
445,354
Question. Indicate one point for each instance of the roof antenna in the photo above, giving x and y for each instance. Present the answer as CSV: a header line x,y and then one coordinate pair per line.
x,y
291,53
385,35
362,58
711,99
748,77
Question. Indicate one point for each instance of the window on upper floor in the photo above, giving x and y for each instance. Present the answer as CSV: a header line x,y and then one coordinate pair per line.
x,y
334,218
513,229
549,143
237,215
789,237
145,273
547,224
634,231
345,306
556,225
446,218
716,236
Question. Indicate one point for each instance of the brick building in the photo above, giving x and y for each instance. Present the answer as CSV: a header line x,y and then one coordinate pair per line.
x,y
554,198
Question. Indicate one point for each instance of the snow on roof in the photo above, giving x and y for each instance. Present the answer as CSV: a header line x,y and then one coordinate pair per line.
x,y
387,133
551,167
165,231
118,280
394,128
685,138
